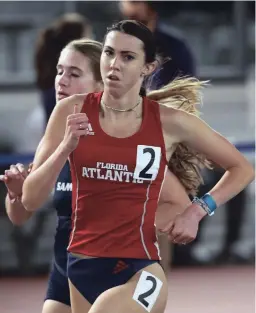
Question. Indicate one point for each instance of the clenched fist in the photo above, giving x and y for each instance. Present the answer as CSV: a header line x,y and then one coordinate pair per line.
x,y
14,178
76,126
184,227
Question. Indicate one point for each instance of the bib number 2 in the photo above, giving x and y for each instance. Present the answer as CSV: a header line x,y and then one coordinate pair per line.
x,y
147,290
147,162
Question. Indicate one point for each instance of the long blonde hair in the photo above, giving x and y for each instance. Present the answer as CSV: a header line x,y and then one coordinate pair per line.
x,y
184,93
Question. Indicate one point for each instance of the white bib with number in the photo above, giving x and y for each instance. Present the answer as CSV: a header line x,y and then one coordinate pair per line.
x,y
147,290
147,162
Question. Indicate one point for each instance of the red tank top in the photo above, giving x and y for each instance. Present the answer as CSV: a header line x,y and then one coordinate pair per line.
x,y
116,187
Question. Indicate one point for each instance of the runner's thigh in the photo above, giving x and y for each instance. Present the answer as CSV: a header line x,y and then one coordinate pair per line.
x,y
145,292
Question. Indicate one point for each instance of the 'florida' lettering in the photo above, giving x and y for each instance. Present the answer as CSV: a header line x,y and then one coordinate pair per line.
x,y
110,171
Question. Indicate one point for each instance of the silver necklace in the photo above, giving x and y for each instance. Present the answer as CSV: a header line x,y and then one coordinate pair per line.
x,y
121,110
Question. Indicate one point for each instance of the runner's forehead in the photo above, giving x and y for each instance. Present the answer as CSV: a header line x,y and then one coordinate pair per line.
x,y
121,42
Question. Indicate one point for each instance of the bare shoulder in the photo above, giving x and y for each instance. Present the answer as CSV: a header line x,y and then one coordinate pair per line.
x,y
180,125
172,118
67,105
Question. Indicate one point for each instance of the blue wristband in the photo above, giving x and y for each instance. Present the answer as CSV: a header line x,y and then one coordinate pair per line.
x,y
203,205
210,202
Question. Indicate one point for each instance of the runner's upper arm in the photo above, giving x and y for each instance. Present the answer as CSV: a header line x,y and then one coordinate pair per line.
x,y
54,132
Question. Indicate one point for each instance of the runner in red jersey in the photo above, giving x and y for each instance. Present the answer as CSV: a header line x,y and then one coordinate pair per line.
x,y
121,115
122,178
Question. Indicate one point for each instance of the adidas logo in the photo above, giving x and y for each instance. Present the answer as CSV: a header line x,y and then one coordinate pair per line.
x,y
120,266
90,131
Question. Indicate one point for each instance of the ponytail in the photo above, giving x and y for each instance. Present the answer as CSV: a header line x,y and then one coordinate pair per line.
x,y
184,93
